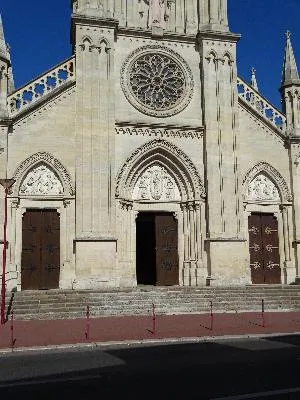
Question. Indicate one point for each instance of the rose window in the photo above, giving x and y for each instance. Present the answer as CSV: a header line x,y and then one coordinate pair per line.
x,y
158,83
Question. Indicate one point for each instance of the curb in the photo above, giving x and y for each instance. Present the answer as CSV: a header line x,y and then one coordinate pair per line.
x,y
139,343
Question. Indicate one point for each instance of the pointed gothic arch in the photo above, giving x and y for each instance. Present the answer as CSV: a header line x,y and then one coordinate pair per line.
x,y
47,159
275,177
169,157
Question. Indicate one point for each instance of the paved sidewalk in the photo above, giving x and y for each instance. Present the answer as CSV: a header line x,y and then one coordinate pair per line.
x,y
36,333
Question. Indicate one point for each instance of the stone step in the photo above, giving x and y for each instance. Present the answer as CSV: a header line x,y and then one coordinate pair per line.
x,y
138,301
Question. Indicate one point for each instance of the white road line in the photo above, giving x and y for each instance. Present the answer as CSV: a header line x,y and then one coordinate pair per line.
x,y
259,394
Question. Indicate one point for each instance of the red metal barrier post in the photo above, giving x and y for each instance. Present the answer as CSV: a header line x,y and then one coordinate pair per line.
x,y
87,330
211,316
12,336
153,319
263,312
6,183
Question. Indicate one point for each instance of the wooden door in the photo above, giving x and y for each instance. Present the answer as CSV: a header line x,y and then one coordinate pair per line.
x,y
50,250
40,250
167,262
31,255
264,249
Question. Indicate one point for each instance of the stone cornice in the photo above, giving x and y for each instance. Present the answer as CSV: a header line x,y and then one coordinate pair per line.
x,y
218,36
147,33
96,21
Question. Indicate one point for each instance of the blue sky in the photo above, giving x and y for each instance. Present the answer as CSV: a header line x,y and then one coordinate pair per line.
x,y
38,32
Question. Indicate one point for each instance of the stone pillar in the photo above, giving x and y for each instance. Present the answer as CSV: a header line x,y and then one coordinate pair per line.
x,y
213,15
191,16
120,12
180,16
285,225
126,264
186,238
225,242
95,171
295,176
193,264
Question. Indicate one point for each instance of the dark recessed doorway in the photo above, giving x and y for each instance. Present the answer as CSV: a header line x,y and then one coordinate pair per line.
x,y
157,249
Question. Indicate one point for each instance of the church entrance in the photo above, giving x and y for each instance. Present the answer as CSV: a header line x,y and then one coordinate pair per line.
x,y
157,261
264,249
40,265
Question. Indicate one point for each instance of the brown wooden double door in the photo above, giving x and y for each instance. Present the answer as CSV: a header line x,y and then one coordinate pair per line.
x,y
157,261
40,266
264,249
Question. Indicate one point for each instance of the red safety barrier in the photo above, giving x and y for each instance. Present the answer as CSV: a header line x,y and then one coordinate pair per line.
x,y
211,316
87,327
12,336
153,319
263,313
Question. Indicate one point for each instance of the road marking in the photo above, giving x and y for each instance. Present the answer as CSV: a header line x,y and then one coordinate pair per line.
x,y
259,394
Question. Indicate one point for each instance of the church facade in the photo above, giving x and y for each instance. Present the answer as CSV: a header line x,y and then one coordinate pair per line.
x,y
144,159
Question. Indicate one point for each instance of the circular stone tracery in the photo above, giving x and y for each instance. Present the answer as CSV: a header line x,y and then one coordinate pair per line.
x,y
157,81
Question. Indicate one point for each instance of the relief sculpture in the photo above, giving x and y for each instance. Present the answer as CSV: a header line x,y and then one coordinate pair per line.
x,y
156,184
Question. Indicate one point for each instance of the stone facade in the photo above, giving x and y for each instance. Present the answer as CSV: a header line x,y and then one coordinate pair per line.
x,y
149,116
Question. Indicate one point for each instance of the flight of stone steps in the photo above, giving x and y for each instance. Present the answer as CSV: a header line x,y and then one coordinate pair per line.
x,y
66,304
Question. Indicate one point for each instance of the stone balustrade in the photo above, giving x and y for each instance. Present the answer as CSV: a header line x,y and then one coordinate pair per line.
x,y
41,87
261,105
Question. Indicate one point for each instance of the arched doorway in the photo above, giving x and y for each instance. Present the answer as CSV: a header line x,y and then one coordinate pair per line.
x,y
160,213
42,201
267,202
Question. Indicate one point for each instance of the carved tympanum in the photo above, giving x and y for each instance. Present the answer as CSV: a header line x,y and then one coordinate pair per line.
x,y
41,181
262,188
156,184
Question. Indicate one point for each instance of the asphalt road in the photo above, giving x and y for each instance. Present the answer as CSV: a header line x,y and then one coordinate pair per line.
x,y
240,369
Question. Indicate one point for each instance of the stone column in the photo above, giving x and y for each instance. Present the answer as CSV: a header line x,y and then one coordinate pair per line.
x,y
180,16
225,242
120,12
186,237
203,13
192,245
213,11
132,13
191,14
284,212
95,171
295,176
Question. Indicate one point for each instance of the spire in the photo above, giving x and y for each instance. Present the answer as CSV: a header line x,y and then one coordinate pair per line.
x,y
253,79
290,73
2,39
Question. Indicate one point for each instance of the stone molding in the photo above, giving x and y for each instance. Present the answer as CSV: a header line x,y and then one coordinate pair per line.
x,y
263,167
169,156
160,132
50,161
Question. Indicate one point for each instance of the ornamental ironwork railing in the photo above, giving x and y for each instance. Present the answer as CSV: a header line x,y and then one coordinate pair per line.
x,y
259,104
40,87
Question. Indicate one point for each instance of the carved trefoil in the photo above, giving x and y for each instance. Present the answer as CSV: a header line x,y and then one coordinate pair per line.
x,y
41,181
156,184
261,188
